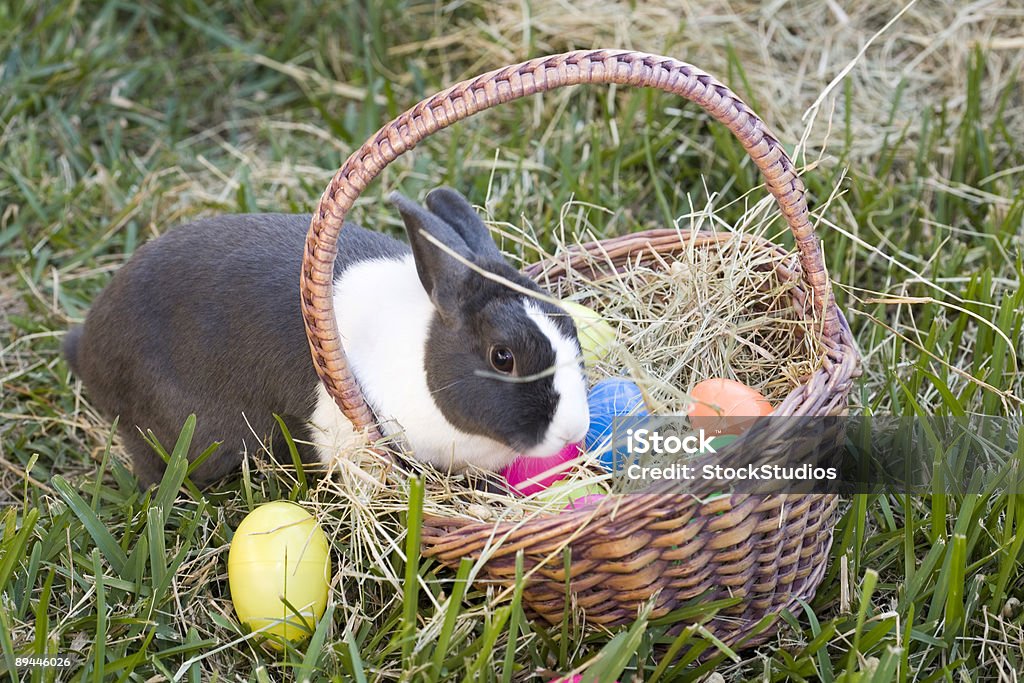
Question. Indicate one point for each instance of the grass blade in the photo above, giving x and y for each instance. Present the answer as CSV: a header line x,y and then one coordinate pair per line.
x,y
411,587
620,650
513,630
112,552
177,467
493,628
315,647
866,591
358,671
451,615
954,610
300,472
14,550
157,548
6,643
99,650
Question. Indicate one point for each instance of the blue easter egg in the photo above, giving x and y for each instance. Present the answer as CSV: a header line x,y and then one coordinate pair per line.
x,y
610,399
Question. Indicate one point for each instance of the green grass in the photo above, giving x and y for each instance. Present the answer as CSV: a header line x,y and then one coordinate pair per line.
x,y
120,120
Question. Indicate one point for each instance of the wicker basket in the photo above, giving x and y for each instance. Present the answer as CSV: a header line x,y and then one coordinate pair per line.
x,y
770,551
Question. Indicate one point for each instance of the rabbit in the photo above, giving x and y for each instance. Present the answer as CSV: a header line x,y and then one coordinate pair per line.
x,y
464,371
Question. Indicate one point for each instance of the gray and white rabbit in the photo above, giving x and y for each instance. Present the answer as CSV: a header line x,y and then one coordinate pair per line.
x,y
206,320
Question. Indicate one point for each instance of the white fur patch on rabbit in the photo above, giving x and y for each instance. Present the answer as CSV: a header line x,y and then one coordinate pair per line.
x,y
331,432
377,346
571,419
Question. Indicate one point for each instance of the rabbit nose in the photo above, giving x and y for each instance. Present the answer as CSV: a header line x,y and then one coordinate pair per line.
x,y
575,432
578,435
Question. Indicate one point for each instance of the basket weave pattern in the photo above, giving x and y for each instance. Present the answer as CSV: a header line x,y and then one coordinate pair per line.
x,y
769,551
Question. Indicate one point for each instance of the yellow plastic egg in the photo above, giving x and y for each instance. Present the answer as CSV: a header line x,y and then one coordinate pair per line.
x,y
279,553
596,336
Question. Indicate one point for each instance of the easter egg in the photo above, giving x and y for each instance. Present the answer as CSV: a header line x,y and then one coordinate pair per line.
x,y
720,442
596,336
610,399
528,475
279,553
589,500
565,493
725,406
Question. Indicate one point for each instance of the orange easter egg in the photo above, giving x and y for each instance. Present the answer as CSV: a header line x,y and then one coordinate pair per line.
x,y
725,406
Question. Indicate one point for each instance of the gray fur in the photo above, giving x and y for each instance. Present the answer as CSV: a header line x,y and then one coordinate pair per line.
x,y
206,320
448,204
440,274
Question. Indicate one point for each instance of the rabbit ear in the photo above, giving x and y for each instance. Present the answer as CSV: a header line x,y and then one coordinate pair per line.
x,y
452,207
441,275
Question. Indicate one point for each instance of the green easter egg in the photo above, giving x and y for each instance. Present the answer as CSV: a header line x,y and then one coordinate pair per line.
x,y
563,492
596,336
720,442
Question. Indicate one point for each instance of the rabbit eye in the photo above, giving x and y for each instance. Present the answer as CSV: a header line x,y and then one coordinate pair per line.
x,y
502,359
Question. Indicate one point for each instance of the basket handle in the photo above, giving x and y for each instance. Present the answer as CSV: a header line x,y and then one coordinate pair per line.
x,y
503,85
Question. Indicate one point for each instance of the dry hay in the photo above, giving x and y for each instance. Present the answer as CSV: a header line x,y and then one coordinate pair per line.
x,y
923,54
720,311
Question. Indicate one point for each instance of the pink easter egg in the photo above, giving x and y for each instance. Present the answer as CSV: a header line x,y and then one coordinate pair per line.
x,y
528,475
571,679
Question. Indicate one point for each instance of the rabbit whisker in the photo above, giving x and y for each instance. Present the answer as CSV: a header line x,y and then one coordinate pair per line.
x,y
449,385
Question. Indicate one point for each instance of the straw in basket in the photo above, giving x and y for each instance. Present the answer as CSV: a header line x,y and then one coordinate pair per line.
x,y
768,551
